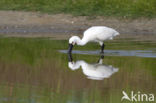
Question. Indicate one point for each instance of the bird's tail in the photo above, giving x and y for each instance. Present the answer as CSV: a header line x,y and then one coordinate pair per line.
x,y
115,69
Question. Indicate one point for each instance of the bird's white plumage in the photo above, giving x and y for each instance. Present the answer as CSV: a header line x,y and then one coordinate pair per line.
x,y
99,33
96,34
96,71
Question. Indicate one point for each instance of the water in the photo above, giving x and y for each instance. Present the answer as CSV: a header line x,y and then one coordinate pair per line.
x,y
33,71
138,53
94,71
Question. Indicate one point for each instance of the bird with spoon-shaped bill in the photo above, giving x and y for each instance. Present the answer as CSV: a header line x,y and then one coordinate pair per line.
x,y
93,34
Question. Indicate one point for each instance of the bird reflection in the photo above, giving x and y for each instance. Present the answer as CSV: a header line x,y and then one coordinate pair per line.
x,y
96,71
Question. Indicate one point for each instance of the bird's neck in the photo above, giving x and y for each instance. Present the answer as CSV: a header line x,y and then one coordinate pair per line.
x,y
82,42
80,63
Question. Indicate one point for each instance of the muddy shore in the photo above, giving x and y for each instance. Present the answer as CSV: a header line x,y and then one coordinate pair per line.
x,y
32,24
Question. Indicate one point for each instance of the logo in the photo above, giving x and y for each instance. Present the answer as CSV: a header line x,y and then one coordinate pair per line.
x,y
137,96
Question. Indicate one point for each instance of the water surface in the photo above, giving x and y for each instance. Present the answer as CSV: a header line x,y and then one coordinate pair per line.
x,y
138,53
33,71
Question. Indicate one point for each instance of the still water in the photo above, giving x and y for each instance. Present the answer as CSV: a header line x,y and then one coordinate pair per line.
x,y
55,77
138,53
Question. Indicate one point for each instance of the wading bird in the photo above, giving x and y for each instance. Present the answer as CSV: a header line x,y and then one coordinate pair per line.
x,y
96,34
95,71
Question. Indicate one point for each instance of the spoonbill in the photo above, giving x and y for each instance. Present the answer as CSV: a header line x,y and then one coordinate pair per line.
x,y
96,71
96,34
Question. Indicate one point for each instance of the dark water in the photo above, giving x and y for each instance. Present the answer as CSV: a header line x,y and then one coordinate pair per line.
x,y
30,73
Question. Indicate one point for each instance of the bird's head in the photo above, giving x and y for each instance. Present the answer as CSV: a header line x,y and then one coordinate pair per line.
x,y
72,41
72,66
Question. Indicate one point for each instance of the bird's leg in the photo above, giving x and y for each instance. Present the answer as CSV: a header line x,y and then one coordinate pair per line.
x,y
102,48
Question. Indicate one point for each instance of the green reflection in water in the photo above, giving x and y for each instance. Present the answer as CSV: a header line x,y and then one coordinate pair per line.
x,y
32,71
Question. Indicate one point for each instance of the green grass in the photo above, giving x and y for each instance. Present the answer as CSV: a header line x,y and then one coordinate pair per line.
x,y
116,8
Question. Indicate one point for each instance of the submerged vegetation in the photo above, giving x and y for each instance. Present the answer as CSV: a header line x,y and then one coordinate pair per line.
x,y
117,8
32,70
32,49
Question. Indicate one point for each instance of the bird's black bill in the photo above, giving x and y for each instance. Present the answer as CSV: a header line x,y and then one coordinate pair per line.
x,y
102,56
102,48
70,48
70,59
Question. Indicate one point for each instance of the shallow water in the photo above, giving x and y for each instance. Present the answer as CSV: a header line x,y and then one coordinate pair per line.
x,y
138,53
33,71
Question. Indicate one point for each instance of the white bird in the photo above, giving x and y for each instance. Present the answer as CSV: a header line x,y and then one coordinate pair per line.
x,y
97,71
93,34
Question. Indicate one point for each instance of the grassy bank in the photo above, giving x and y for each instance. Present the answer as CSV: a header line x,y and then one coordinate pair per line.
x,y
116,8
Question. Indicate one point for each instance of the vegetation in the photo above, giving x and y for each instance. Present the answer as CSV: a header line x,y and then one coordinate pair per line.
x,y
116,8
31,49
32,70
